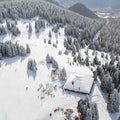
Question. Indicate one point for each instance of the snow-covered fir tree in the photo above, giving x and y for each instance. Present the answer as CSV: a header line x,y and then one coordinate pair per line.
x,y
31,65
28,49
113,102
29,28
107,85
62,74
87,110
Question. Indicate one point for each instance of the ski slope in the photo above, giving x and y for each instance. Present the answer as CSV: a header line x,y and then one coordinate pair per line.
x,y
17,103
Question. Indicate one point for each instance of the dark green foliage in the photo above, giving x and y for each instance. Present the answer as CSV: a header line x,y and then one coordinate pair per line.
x,y
50,35
14,30
100,72
95,75
95,61
52,61
106,85
60,53
76,118
49,41
56,41
109,37
44,40
32,65
28,49
30,28
62,74
55,28
48,59
87,61
66,52
102,55
87,110
8,49
113,102
116,78
119,118
22,51
39,24
1,56
54,45
79,58
2,30
75,59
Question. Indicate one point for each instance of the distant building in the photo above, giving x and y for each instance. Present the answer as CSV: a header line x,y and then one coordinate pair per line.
x,y
77,83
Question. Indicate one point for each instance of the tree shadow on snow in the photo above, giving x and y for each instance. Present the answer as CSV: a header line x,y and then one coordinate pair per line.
x,y
37,34
76,95
22,59
56,35
114,116
104,95
9,61
2,37
14,37
29,35
62,82
48,66
31,74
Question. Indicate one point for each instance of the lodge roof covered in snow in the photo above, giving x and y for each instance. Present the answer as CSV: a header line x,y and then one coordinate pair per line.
x,y
77,83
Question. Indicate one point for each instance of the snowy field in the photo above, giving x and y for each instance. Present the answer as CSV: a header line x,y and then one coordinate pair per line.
x,y
17,103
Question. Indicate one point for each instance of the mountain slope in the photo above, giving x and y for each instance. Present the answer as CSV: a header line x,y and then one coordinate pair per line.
x,y
30,95
89,3
50,12
83,10
29,103
54,2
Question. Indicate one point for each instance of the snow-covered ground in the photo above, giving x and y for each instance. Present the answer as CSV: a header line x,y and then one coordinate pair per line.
x,y
17,103
101,104
100,99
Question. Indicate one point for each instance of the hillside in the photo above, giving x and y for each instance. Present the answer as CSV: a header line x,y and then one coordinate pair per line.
x,y
89,3
55,63
50,12
83,10
54,2
20,96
